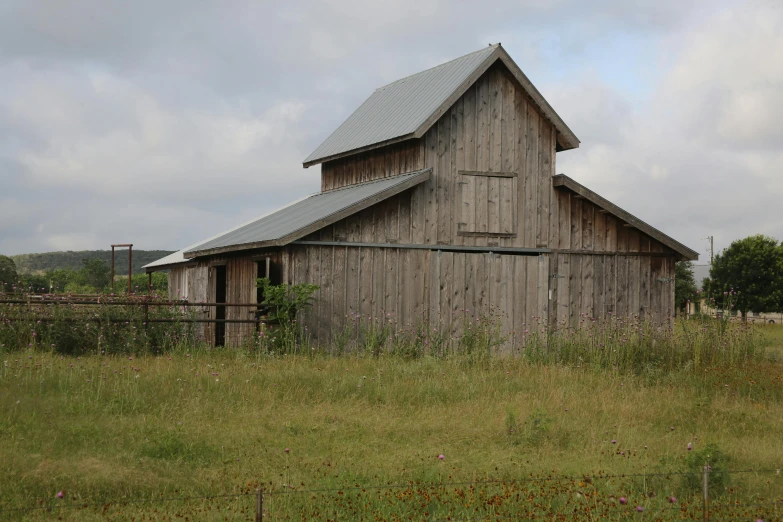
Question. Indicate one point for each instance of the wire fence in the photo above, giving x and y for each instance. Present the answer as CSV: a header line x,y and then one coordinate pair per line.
x,y
584,497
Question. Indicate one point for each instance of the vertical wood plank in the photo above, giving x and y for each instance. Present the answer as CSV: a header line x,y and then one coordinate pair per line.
x,y
564,218
520,295
588,210
391,288
621,287
531,299
599,227
576,223
431,187
644,281
470,149
564,290
458,293
532,234
587,306
610,282
457,164
575,282
599,303
436,314
544,182
543,292
445,180
445,290
505,197
520,167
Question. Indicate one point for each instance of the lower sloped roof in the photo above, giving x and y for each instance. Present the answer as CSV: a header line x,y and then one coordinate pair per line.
x,y
561,180
307,215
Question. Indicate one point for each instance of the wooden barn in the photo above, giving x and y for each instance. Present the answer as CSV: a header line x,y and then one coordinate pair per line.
x,y
440,203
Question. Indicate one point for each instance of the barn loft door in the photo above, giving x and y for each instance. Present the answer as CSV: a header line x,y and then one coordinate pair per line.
x,y
487,203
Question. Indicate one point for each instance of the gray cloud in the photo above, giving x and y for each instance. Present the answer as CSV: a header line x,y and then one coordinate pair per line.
x,y
164,123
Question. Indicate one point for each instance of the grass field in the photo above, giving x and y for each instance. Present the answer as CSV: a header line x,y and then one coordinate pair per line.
x,y
103,429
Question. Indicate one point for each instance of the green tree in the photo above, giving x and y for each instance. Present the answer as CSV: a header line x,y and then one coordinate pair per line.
x,y
35,283
684,284
8,275
751,271
94,273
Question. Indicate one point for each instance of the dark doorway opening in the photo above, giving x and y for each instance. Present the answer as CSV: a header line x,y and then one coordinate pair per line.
x,y
220,311
268,268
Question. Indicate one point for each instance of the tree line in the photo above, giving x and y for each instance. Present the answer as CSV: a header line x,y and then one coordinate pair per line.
x,y
94,276
43,262
746,277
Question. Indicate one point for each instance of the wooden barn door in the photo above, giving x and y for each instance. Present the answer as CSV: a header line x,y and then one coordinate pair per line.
x,y
509,291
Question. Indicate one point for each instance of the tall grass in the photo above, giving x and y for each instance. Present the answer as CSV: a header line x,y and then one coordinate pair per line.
x,y
76,329
626,345
637,346
210,422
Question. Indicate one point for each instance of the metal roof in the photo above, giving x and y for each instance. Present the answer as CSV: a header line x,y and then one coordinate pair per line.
x,y
401,107
307,215
178,256
408,107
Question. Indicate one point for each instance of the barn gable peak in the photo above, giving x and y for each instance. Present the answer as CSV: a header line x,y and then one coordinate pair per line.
x,y
407,108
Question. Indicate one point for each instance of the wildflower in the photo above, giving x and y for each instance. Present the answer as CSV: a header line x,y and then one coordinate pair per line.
x,y
639,509
623,500
672,500
60,494
690,446
287,450
441,457
614,441
671,428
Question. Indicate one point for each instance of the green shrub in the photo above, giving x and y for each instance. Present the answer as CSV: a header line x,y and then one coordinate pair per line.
x,y
718,478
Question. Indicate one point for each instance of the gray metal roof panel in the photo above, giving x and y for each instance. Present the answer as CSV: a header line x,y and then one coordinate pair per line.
x,y
401,107
302,214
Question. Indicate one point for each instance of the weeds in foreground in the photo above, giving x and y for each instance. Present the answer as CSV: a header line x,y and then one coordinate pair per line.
x,y
518,439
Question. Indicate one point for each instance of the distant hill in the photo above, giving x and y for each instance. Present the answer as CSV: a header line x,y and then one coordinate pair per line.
x,y
39,263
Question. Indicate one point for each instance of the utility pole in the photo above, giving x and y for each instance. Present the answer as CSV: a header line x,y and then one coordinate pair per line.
x,y
712,249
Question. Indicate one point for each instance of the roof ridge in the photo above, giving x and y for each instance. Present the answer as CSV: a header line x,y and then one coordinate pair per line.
x,y
493,46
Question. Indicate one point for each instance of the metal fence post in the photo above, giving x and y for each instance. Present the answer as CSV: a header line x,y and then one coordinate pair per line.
x,y
259,505
706,493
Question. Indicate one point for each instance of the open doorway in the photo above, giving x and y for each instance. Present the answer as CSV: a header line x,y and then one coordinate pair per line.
x,y
271,269
220,311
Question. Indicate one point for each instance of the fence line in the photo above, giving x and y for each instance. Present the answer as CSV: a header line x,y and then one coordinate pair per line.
x,y
562,478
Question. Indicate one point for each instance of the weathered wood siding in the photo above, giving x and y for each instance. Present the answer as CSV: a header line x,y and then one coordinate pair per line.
x,y
626,273
492,156
198,283
409,288
590,287
178,283
493,128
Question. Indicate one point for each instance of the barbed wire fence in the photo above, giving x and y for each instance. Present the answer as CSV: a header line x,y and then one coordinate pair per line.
x,y
271,503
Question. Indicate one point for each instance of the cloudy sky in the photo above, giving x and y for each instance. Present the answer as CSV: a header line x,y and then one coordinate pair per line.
x,y
163,123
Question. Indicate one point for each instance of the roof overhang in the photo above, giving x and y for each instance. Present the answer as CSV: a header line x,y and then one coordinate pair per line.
x,y
685,253
566,139
411,180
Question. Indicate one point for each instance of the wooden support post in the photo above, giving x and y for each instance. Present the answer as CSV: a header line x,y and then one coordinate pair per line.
x,y
112,269
706,493
130,267
259,505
